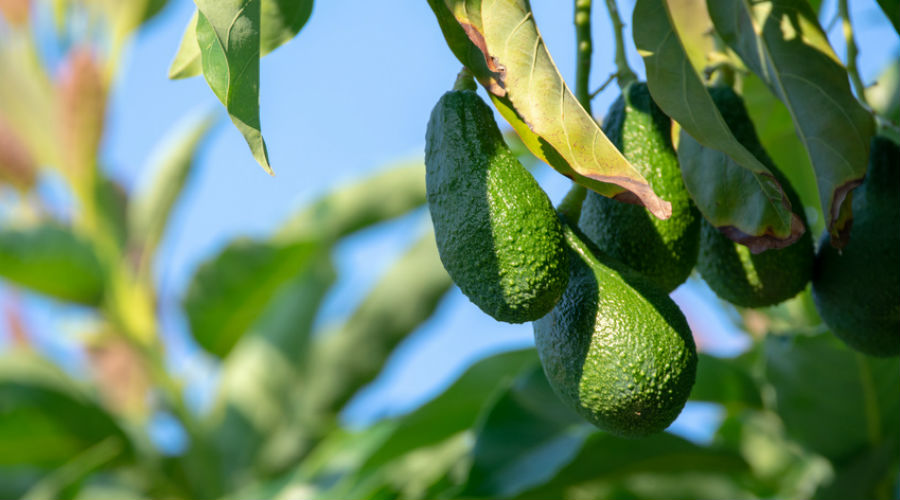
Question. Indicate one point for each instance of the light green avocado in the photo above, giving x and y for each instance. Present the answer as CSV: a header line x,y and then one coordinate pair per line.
x,y
497,232
663,250
616,348
857,290
730,269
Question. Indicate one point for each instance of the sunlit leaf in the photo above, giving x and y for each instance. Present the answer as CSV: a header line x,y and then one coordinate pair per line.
x,y
46,419
280,21
529,92
167,172
776,132
51,260
260,378
81,112
782,43
672,37
228,36
229,292
407,295
387,194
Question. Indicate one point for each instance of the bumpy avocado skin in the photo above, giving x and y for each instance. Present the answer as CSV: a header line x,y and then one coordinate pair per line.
x,y
496,230
663,250
616,348
857,290
736,275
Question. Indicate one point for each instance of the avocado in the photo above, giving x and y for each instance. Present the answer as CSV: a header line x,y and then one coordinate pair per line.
x,y
857,290
730,269
496,230
663,250
616,348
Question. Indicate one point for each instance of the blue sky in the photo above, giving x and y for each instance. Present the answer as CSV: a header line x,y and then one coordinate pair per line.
x,y
350,95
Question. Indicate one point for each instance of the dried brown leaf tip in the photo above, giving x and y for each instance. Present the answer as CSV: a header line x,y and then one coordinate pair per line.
x,y
16,12
17,165
81,94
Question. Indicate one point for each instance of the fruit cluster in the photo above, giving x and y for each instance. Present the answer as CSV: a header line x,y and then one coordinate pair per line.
x,y
613,345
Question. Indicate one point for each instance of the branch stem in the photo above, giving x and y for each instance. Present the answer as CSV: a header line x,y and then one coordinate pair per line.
x,y
852,52
624,74
583,51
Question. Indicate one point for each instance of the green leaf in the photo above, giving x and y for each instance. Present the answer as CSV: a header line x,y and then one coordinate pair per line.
x,y
453,411
726,382
672,37
187,60
229,292
280,21
529,92
52,260
387,194
525,437
403,298
46,419
167,171
775,129
892,12
832,399
228,36
782,43
606,465
260,378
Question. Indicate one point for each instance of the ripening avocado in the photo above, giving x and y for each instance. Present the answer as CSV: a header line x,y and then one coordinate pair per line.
x,y
616,348
730,269
857,289
497,232
663,250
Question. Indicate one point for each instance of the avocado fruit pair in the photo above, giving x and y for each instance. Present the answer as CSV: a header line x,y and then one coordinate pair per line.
x,y
613,344
857,289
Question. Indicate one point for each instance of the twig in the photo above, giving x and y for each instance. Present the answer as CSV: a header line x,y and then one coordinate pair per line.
x,y
583,51
624,74
852,52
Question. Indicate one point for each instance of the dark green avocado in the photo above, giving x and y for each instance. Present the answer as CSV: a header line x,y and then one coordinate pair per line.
x,y
497,232
857,289
663,250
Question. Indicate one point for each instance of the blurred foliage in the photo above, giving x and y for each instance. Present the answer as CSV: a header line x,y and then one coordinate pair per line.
x,y
802,415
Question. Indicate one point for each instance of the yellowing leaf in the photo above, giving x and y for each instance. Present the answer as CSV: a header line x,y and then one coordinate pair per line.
x,y
499,42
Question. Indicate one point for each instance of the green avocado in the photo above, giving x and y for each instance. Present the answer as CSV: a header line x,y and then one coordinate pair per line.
x,y
497,232
730,269
663,250
616,348
857,289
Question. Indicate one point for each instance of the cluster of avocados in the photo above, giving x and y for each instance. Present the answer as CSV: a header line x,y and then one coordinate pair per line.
x,y
612,343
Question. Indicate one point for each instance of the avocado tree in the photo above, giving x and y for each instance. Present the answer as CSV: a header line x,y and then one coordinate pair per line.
x,y
746,136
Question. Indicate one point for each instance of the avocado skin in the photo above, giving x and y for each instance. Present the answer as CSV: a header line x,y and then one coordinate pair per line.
x,y
497,232
616,348
663,250
857,290
731,271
